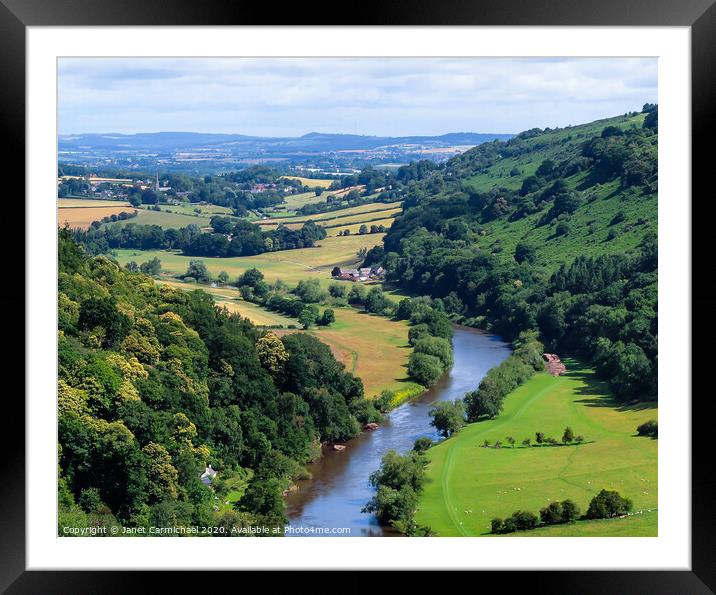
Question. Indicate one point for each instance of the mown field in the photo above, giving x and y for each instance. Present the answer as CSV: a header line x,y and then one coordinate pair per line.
x,y
288,265
468,485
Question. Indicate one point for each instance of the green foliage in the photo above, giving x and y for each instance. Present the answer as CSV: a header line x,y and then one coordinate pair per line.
x,y
156,383
398,483
447,417
608,504
425,369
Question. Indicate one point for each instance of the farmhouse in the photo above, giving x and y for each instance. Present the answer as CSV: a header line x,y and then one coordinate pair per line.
x,y
362,274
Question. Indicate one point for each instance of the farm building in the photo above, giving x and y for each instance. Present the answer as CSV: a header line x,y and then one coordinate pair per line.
x,y
362,274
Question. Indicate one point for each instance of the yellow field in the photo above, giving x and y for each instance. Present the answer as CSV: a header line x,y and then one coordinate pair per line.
x,y
310,182
82,217
288,265
64,203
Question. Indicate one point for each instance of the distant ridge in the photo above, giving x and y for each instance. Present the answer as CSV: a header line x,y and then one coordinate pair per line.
x,y
165,142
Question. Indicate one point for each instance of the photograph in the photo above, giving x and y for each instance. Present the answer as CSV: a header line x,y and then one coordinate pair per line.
x,y
357,296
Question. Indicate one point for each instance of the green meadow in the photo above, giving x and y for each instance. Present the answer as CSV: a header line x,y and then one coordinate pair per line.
x,y
469,484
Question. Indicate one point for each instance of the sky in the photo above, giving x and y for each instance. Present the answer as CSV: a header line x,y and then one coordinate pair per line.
x,y
370,96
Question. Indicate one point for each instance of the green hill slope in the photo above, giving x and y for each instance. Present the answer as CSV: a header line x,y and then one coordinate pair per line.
x,y
553,230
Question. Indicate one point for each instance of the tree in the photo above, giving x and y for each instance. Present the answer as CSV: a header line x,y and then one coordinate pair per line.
x,y
271,352
308,316
197,270
539,437
152,267
526,442
437,346
223,277
424,368
608,504
250,277
328,317
551,514
525,252
363,229
447,417
336,271
263,498
102,312
510,441
570,511
422,444
568,435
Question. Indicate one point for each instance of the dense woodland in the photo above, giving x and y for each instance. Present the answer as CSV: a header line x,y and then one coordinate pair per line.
x,y
156,383
602,306
227,238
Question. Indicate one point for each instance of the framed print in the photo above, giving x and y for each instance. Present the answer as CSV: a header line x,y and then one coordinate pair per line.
x,y
388,292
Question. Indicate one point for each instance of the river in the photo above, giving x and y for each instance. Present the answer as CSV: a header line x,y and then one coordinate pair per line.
x,y
339,485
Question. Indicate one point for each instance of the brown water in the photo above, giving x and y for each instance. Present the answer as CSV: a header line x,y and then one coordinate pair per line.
x,y
339,486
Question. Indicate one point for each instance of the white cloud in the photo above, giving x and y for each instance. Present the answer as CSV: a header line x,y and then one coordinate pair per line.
x,y
293,96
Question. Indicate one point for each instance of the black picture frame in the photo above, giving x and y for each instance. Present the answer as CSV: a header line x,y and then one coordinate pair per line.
x,y
699,15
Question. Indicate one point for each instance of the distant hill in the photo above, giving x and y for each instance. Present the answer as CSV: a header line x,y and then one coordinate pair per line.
x,y
167,142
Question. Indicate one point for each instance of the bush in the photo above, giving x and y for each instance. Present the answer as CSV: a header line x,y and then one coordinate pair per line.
x,y
437,346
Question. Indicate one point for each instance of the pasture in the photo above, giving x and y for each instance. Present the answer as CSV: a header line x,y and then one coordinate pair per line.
x,y
166,219
468,484
288,265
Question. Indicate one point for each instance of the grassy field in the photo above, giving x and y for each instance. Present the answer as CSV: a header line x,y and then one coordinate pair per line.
x,y
167,220
373,348
311,183
468,485
288,265
190,209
